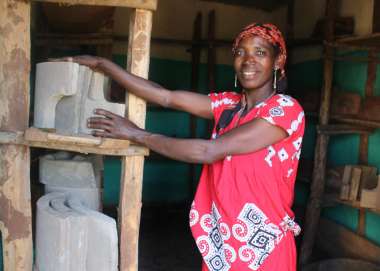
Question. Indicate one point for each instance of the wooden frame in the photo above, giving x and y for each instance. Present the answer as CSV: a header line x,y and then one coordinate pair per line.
x,y
140,4
16,138
358,126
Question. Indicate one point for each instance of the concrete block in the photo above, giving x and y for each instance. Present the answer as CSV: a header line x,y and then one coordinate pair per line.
x,y
54,80
79,175
61,239
71,111
91,197
102,253
66,169
69,236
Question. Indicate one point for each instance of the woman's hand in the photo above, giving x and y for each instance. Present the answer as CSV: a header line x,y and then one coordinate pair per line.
x,y
93,62
108,124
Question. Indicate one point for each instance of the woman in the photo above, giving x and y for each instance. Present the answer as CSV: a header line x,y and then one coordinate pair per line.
x,y
241,217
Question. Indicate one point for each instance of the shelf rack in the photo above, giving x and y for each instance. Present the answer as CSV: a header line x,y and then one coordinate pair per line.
x,y
370,43
16,137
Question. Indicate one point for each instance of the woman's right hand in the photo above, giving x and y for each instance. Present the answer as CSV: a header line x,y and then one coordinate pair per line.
x,y
93,62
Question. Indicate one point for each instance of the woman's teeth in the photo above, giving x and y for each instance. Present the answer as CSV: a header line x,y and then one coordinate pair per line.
x,y
249,73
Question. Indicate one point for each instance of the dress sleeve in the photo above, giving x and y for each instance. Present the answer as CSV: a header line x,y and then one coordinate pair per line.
x,y
222,101
285,112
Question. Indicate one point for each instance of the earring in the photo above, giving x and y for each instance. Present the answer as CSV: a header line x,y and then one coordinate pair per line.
x,y
275,79
235,81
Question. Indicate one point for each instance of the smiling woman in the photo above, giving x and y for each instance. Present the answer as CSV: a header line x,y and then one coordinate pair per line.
x,y
241,217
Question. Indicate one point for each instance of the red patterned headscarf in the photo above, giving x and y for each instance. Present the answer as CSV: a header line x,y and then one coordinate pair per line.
x,y
268,32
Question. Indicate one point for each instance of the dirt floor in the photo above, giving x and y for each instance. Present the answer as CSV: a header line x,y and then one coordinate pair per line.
x,y
166,242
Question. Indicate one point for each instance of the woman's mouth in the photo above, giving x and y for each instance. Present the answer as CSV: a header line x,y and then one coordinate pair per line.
x,y
248,74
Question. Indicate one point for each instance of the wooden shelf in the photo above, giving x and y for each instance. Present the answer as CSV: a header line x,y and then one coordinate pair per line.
x,y
38,138
332,200
355,122
141,4
342,129
367,42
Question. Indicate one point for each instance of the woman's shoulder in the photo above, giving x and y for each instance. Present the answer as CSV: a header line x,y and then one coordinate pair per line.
x,y
224,99
283,100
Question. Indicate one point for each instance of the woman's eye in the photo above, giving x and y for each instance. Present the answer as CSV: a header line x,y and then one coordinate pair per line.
x,y
239,53
260,52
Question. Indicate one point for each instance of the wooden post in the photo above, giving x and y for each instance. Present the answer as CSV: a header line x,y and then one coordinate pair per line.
x,y
195,62
211,51
313,209
363,145
132,167
15,210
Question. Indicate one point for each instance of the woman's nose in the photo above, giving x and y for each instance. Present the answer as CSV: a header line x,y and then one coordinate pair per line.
x,y
249,59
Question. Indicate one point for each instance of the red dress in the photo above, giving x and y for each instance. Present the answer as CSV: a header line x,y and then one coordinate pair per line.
x,y
241,217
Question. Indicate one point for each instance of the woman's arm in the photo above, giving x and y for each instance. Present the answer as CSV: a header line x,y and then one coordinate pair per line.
x,y
193,103
250,137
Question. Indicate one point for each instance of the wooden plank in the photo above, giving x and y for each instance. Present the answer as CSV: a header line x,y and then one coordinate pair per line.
x,y
319,172
370,109
339,242
361,122
141,4
345,103
361,41
345,188
15,214
85,144
132,167
347,46
370,198
355,183
356,205
339,129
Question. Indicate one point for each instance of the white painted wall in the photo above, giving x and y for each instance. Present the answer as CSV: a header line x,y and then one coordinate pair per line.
x,y
174,19
362,11
307,13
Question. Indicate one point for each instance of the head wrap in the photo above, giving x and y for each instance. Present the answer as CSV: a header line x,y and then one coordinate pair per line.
x,y
270,33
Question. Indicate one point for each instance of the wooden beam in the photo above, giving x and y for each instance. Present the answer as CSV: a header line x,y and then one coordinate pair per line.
x,y
132,167
195,64
15,214
360,122
352,47
313,209
141,4
339,129
84,144
211,52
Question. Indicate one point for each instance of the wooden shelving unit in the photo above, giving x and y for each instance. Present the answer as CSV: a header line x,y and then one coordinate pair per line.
x,y
344,125
16,137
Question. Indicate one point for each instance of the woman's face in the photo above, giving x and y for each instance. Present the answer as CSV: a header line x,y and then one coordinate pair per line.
x,y
254,62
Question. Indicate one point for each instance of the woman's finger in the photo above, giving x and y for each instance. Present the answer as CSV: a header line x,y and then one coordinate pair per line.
x,y
100,126
105,113
99,133
99,120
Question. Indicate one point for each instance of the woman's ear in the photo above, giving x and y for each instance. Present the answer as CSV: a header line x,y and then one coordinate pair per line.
x,y
279,62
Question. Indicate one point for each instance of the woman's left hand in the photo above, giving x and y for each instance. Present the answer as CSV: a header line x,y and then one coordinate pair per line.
x,y
108,124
